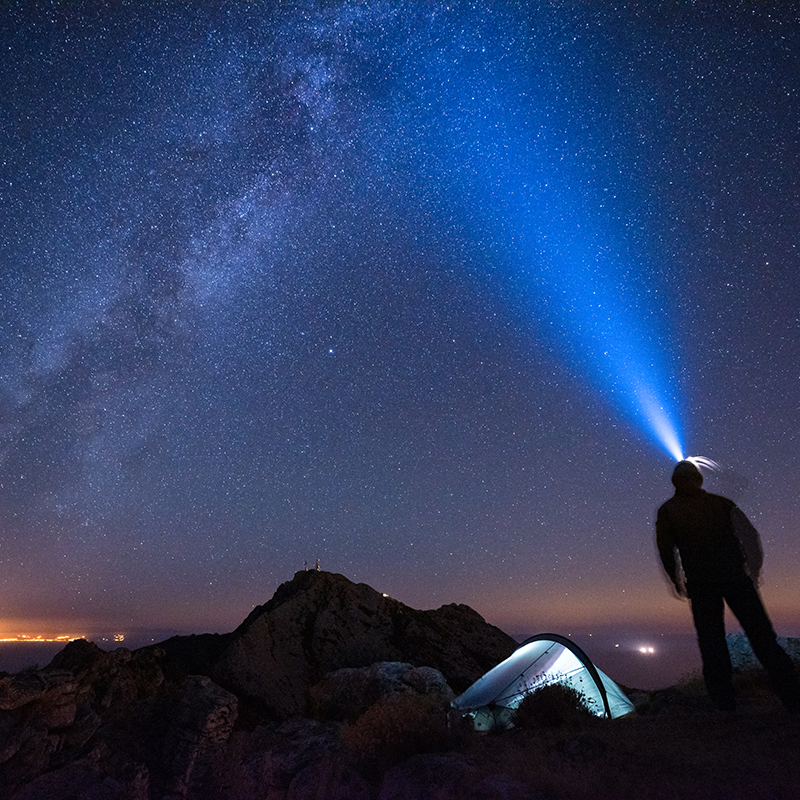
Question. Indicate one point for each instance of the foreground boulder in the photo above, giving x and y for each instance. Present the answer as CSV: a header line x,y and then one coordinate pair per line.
x,y
347,693
743,658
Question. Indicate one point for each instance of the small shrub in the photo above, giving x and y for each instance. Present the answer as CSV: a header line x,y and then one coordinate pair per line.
x,y
552,705
395,728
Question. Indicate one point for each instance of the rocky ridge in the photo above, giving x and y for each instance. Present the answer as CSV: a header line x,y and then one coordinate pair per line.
x,y
321,622
265,700
333,691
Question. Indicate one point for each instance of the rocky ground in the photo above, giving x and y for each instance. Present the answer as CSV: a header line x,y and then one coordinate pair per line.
x,y
331,690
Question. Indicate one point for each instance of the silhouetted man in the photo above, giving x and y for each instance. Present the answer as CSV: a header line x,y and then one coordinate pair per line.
x,y
712,555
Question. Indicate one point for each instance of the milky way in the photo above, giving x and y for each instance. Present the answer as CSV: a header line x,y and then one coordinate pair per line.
x,y
351,281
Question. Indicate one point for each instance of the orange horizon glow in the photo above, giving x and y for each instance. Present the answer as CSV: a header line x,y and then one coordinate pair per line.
x,y
39,637
24,638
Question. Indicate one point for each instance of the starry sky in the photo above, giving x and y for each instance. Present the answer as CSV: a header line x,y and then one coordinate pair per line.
x,y
433,293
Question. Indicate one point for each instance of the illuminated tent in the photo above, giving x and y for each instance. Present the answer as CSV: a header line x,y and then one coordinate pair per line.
x,y
541,660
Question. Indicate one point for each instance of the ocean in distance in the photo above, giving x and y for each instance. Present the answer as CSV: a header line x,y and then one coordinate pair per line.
x,y
639,660
19,655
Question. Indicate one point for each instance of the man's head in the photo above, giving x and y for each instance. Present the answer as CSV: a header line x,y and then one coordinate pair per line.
x,y
687,476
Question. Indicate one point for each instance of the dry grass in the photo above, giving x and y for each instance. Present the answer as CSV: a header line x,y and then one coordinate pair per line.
x,y
678,748
394,729
551,706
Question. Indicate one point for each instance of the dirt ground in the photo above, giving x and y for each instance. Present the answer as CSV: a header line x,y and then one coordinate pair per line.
x,y
675,746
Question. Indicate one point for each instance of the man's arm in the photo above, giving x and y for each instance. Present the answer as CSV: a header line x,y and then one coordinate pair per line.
x,y
667,551
750,541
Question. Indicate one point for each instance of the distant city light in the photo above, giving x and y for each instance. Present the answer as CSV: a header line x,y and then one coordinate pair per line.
x,y
647,649
67,637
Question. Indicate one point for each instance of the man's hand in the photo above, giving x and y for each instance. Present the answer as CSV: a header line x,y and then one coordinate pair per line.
x,y
680,590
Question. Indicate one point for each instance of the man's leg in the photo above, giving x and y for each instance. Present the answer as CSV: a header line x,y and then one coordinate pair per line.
x,y
745,603
708,612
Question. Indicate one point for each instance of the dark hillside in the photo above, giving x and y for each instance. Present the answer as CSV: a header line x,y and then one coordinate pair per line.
x,y
333,691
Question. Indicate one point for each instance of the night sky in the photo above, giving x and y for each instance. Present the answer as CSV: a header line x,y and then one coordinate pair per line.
x,y
425,291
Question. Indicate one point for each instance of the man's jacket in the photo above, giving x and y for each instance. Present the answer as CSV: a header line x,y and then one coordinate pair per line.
x,y
714,539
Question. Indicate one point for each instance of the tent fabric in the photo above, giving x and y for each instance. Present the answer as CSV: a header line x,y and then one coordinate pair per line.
x,y
543,659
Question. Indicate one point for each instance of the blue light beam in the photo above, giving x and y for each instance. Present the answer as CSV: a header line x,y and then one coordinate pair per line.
x,y
524,190
600,319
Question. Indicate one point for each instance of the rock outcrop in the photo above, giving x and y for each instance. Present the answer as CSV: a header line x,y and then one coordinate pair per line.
x,y
160,723
321,622
347,693
56,724
742,655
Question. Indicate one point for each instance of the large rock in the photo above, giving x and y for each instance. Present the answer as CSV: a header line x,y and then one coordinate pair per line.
x,y
200,727
111,678
347,693
743,658
83,779
37,709
101,724
53,692
321,622
331,779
